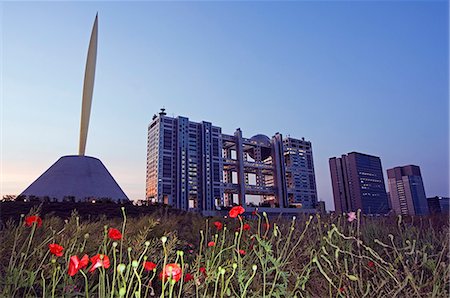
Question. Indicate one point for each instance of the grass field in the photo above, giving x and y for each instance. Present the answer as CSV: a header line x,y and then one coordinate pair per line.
x,y
243,255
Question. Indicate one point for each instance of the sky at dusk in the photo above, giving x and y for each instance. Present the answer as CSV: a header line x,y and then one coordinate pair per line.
x,y
366,76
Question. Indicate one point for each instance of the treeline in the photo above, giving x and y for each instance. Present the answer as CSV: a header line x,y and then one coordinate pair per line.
x,y
86,210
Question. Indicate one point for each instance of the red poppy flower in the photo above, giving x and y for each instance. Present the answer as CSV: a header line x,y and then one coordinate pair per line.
x,y
202,270
246,227
56,249
114,234
242,252
211,243
254,212
341,290
236,210
371,264
75,264
171,271
99,261
149,266
218,225
188,277
30,220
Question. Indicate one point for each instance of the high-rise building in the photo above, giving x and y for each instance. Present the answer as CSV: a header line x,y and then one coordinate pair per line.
x,y
194,166
358,183
407,191
444,202
434,206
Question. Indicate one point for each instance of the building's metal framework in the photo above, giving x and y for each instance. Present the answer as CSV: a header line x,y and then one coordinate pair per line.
x,y
193,166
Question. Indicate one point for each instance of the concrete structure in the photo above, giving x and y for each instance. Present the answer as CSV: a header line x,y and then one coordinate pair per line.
x,y
79,178
358,183
194,166
407,191
76,178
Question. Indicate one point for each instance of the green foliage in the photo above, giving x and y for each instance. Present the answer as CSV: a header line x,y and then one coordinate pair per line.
x,y
308,256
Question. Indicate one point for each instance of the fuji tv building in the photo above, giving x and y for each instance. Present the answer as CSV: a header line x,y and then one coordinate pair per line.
x,y
194,166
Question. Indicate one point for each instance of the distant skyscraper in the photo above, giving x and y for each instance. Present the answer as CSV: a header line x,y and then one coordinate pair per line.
x,y
407,191
434,206
444,202
358,183
194,166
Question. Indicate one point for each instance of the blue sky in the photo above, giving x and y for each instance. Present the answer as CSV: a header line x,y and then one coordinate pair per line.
x,y
367,76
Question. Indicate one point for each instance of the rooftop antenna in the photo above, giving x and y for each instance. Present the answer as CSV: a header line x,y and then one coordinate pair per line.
x,y
88,87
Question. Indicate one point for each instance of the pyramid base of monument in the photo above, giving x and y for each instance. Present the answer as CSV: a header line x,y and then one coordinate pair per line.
x,y
76,178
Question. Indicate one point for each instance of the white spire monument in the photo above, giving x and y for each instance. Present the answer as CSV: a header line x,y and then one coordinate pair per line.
x,y
78,177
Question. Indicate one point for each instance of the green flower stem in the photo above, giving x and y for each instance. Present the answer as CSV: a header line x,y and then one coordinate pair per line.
x,y
248,282
294,248
163,284
127,275
130,283
274,283
220,253
262,261
201,244
114,272
266,219
86,284
103,244
124,282
206,231
222,282
100,283
43,260
240,236
239,258
288,240
182,274
24,256
319,225
53,281
172,285
39,247
142,254
139,282
83,245
123,231
199,260
259,224
227,283
319,266
222,243
217,282
16,237
43,285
